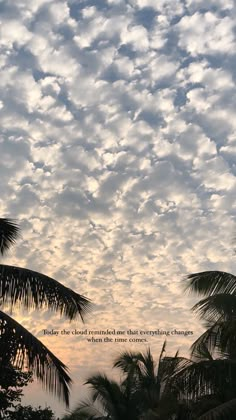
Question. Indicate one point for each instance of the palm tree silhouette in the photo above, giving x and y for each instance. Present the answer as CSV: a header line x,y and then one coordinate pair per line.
x,y
145,391
204,382
151,381
34,290
218,311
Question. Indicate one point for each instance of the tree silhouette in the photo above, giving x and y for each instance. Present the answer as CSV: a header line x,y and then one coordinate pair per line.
x,y
30,413
145,391
33,290
218,311
12,382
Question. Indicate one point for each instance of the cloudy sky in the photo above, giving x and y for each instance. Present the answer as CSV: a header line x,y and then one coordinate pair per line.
x,y
118,160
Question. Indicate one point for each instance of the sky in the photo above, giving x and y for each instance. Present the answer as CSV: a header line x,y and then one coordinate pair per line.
x,y
118,155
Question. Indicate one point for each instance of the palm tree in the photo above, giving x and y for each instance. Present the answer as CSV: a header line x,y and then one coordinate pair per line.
x,y
218,310
109,400
152,384
34,290
203,381
145,391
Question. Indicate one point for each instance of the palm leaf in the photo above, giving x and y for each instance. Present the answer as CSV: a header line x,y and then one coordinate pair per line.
x,y
115,400
226,411
127,361
141,380
9,232
169,366
210,339
207,377
87,411
136,364
160,370
35,290
147,364
28,351
210,282
201,352
163,349
215,307
107,392
171,376
219,338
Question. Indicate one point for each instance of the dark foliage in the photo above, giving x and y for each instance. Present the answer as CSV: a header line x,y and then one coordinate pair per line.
x,y
12,382
30,413
9,232
34,290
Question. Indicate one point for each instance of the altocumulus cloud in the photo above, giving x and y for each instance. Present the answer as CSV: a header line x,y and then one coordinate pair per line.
x,y
118,155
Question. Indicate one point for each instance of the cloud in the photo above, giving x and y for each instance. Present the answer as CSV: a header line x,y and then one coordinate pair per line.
x,y
117,147
206,34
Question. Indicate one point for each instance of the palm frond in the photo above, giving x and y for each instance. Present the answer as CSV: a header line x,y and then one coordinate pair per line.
x,y
226,411
115,399
208,283
126,361
162,351
147,364
88,411
136,364
28,351
177,353
215,307
9,232
219,339
106,391
171,369
169,366
207,377
201,352
210,339
35,290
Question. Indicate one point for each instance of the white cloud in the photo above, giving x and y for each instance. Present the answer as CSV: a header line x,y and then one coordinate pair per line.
x,y
206,34
169,7
137,36
118,154
13,31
